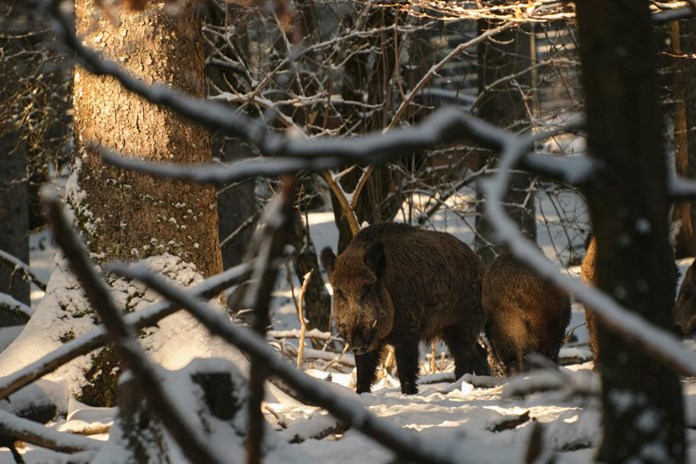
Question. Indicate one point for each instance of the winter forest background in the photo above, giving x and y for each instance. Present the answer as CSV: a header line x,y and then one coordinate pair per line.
x,y
170,169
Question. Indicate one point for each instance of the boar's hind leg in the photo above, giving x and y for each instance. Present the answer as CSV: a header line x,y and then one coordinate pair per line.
x,y
508,358
468,356
407,364
366,364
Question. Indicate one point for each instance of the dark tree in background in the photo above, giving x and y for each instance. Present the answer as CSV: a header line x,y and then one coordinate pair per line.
x,y
14,194
687,32
504,78
34,130
629,205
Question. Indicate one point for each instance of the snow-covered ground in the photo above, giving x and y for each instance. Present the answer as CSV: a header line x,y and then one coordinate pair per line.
x,y
490,420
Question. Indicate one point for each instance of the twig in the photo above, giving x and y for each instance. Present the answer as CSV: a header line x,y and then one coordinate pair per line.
x,y
193,444
40,435
300,315
437,66
314,334
408,445
26,270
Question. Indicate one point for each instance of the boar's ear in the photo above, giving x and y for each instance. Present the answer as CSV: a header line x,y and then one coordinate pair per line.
x,y
328,259
375,259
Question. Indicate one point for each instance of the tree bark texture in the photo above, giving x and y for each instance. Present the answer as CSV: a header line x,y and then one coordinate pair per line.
x,y
687,29
127,215
504,102
628,203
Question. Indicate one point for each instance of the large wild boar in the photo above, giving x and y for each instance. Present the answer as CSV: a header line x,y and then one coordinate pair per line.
x,y
685,306
398,285
525,314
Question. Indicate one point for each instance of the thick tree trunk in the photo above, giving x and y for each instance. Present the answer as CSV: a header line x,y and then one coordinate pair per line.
x,y
628,206
126,215
503,103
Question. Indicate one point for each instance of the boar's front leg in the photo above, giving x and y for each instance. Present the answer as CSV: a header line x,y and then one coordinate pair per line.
x,y
407,364
366,364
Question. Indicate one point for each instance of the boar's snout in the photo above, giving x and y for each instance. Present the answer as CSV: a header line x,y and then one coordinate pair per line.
x,y
685,311
362,340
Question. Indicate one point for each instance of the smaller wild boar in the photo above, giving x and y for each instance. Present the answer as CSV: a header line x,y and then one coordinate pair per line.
x,y
589,277
685,306
525,314
398,285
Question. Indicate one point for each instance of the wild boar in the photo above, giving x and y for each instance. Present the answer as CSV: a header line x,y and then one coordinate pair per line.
x,y
397,285
525,314
588,277
684,311
685,306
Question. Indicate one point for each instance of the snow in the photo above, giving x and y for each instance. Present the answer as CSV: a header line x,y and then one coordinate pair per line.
x,y
455,419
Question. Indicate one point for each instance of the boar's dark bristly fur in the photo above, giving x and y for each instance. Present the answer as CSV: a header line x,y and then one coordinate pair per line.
x,y
685,306
525,314
398,285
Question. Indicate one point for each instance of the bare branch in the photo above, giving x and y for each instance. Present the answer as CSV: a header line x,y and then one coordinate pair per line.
x,y
437,66
189,438
300,315
40,435
442,128
347,208
277,230
24,268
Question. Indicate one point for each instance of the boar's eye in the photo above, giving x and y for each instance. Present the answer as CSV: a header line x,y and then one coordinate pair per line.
x,y
365,291
340,294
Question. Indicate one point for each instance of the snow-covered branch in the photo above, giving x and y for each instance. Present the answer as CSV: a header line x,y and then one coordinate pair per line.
x,y
24,268
192,442
13,312
38,434
680,188
278,226
444,127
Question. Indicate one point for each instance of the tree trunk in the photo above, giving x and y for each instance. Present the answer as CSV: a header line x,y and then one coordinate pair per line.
x,y
126,215
238,208
628,206
671,77
688,67
369,81
505,105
